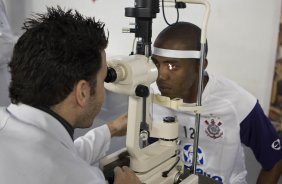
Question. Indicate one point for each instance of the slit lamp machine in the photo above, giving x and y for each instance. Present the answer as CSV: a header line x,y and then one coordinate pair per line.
x,y
157,162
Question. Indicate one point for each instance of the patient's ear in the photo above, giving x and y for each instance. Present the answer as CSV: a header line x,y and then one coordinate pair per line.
x,y
82,92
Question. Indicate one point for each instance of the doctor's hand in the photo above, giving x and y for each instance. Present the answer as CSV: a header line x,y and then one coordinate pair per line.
x,y
125,175
118,126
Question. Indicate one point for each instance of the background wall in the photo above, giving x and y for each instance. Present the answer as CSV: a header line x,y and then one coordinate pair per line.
x,y
242,37
242,34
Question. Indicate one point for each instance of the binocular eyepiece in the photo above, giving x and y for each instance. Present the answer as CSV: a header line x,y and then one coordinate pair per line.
x,y
111,75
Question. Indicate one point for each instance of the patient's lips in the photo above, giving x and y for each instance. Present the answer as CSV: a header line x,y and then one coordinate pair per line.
x,y
164,89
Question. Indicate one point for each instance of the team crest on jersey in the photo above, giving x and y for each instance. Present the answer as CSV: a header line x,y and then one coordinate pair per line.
x,y
187,155
213,129
276,144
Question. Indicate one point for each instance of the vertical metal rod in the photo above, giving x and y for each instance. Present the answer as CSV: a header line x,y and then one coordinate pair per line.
x,y
198,115
147,50
144,106
144,122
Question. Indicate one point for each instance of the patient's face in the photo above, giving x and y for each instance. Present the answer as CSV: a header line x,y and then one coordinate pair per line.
x,y
177,78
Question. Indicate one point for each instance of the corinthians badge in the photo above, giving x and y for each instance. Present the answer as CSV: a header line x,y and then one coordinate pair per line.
x,y
213,130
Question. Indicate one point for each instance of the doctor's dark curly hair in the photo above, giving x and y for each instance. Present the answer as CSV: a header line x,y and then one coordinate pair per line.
x,y
57,50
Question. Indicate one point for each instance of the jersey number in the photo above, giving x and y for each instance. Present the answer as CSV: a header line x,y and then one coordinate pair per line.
x,y
192,133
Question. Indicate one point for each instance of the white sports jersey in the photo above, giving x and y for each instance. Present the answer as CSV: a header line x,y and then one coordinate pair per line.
x,y
230,116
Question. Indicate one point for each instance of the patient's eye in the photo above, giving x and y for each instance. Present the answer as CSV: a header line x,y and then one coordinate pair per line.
x,y
172,66
167,65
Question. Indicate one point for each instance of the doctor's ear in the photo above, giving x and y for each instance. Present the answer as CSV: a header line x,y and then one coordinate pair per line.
x,y
82,92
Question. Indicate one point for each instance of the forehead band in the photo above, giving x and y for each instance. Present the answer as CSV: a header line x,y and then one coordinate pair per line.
x,y
176,53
